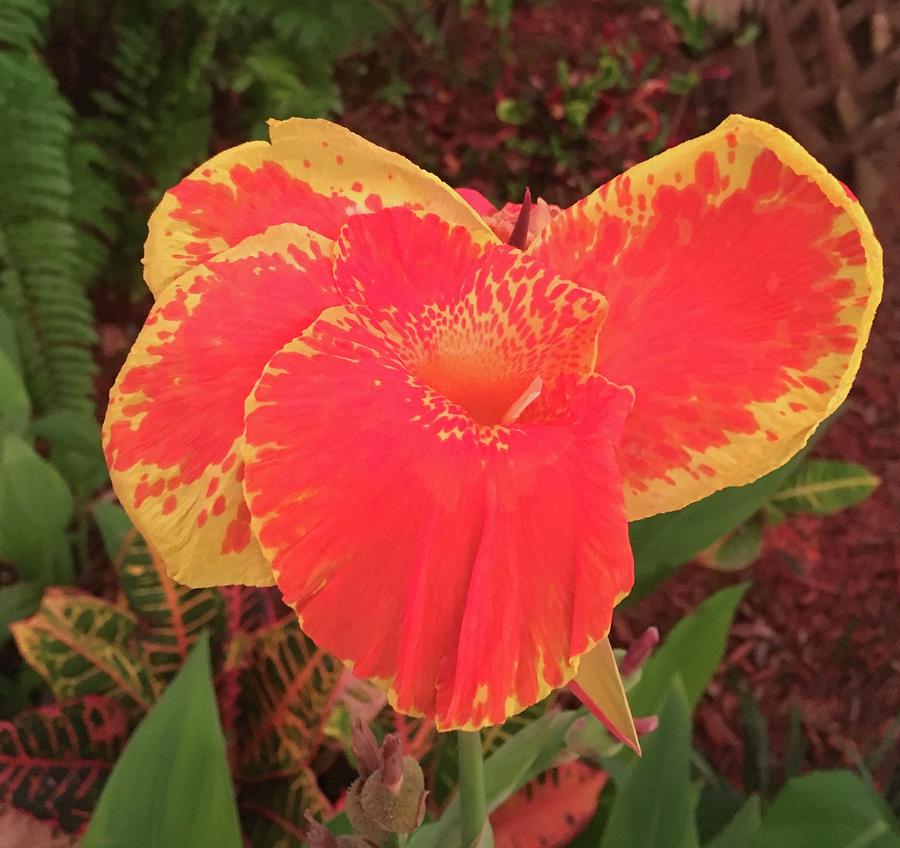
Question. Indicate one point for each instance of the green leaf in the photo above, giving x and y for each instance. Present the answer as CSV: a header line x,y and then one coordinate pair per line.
x,y
83,645
654,804
532,751
272,811
54,759
737,550
74,439
825,486
286,690
739,832
15,406
35,508
664,542
170,616
171,785
827,809
17,601
692,651
515,112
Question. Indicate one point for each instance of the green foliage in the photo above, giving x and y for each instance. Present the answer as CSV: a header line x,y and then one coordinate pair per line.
x,y
829,809
694,29
186,796
825,486
691,652
40,284
274,688
654,803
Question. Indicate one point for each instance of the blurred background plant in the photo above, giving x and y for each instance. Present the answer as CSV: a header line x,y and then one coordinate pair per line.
x,y
104,106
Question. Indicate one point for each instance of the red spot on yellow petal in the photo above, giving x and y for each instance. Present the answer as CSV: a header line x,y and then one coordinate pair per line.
x,y
211,488
218,506
357,186
169,505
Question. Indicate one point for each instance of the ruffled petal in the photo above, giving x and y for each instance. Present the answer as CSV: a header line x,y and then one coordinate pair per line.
x,y
313,173
475,320
742,281
174,425
466,566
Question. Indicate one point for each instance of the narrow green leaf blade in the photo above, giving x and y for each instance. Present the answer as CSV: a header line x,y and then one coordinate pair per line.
x,y
654,805
692,651
172,786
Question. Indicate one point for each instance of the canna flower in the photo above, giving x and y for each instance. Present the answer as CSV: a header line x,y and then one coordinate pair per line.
x,y
432,440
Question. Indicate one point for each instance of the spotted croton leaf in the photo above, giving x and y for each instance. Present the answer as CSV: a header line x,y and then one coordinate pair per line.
x,y
551,810
286,689
169,616
55,759
82,645
272,811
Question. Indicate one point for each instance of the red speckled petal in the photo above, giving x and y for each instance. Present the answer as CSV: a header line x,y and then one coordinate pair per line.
x,y
313,173
174,426
742,281
467,566
474,320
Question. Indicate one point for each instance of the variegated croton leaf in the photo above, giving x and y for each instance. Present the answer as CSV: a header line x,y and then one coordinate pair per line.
x,y
82,645
169,616
55,759
272,810
275,688
287,690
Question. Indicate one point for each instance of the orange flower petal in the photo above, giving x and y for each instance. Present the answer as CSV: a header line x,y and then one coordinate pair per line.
x,y
174,425
313,173
465,564
742,280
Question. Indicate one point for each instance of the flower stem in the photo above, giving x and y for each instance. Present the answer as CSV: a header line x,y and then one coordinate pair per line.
x,y
473,809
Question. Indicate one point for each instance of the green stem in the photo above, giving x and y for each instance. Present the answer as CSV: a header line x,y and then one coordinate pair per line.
x,y
473,809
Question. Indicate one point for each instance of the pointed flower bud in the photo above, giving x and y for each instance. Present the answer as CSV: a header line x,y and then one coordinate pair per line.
x,y
638,651
365,749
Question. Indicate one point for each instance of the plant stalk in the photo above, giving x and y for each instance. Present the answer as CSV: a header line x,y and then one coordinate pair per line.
x,y
473,808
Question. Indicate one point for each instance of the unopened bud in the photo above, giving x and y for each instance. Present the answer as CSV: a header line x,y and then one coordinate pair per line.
x,y
398,808
362,822
365,749
638,651
646,724
392,769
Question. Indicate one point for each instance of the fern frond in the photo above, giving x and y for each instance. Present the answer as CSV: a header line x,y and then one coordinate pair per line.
x,y
39,283
22,23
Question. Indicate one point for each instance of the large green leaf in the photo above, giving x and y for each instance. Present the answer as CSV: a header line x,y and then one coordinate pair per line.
x,y
287,687
54,759
530,752
654,804
171,786
825,486
664,542
692,651
827,809
82,645
35,507
170,617
740,831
